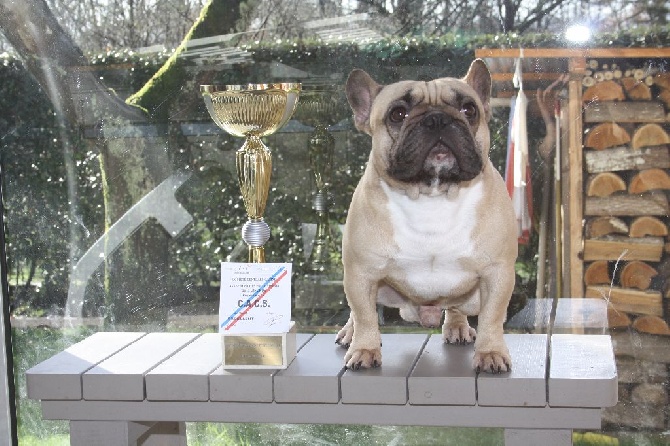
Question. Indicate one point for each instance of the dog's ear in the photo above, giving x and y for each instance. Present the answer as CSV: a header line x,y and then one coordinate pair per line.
x,y
479,78
361,92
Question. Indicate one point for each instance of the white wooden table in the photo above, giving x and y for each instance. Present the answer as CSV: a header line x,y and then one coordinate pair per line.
x,y
136,388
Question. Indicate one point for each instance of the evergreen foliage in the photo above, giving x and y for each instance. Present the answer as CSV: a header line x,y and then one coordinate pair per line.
x,y
38,214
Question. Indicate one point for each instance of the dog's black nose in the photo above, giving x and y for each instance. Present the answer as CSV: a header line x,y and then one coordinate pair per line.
x,y
435,121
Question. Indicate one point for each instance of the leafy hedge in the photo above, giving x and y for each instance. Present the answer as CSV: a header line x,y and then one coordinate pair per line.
x,y
33,148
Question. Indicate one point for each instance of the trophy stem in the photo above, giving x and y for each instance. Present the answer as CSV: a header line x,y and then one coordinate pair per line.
x,y
319,258
321,146
254,168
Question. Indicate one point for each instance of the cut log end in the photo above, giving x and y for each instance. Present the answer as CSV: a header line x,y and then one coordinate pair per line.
x,y
617,319
607,90
599,226
649,135
605,135
647,225
652,325
604,184
597,273
636,90
649,179
637,275
662,80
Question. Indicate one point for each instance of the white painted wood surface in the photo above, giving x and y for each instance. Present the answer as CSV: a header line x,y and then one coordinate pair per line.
x,y
176,377
525,385
185,375
386,384
443,375
319,413
314,375
121,376
583,372
59,377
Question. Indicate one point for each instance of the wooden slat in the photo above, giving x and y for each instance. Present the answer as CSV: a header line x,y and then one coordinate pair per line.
x,y
121,377
313,376
575,184
525,385
582,371
629,300
566,53
508,77
382,414
646,111
246,385
443,375
614,247
184,376
648,203
625,158
386,384
59,377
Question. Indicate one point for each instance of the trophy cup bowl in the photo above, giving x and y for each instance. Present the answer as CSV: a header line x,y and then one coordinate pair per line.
x,y
252,111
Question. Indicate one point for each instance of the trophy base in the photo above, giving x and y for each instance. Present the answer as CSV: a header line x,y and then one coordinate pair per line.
x,y
259,350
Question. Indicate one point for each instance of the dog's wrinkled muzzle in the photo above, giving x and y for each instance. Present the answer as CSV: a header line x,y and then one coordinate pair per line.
x,y
439,148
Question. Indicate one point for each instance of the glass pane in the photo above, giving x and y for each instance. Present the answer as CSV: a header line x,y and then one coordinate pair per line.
x,y
123,197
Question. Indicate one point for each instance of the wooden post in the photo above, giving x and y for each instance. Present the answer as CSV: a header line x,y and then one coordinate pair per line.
x,y
574,271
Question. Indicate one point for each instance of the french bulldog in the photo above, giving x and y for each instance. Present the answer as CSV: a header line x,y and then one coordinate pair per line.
x,y
431,226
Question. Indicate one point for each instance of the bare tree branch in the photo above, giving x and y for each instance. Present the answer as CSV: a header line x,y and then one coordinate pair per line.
x,y
53,58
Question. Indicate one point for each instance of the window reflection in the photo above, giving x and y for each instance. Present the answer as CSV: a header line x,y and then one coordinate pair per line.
x,y
122,197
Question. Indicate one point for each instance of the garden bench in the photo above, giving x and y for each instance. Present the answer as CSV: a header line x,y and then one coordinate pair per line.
x,y
125,388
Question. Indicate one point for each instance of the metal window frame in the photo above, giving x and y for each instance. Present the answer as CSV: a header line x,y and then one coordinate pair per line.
x,y
8,427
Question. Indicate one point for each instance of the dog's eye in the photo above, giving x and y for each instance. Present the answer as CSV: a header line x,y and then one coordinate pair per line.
x,y
398,114
469,110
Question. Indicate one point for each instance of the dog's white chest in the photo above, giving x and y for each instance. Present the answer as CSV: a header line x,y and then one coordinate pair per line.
x,y
435,241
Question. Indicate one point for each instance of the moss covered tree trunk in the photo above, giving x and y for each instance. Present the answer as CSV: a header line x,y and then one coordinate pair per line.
x,y
136,277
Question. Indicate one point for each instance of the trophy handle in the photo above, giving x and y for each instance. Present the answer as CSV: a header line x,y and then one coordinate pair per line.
x,y
254,169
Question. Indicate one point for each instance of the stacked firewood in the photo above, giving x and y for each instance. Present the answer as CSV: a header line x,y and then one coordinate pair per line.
x,y
626,204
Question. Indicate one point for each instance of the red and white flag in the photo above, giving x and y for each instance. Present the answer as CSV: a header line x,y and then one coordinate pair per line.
x,y
517,171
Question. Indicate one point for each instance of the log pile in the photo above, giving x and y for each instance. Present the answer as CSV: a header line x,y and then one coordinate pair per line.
x,y
627,160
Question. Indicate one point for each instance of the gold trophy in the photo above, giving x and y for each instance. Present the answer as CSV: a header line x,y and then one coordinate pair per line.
x,y
252,111
320,107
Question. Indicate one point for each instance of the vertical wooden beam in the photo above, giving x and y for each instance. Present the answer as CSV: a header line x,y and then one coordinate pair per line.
x,y
575,179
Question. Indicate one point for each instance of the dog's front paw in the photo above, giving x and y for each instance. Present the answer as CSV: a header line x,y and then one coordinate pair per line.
x,y
344,336
356,359
492,362
459,334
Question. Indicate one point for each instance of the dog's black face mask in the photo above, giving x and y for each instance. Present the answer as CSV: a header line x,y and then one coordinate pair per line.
x,y
434,146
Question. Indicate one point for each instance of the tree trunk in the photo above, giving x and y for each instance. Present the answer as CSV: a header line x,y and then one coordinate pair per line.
x,y
136,279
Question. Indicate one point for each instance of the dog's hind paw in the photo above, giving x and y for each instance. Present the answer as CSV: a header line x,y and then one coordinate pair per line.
x,y
363,359
492,362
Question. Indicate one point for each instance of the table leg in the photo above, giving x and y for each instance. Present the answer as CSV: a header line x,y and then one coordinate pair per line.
x,y
545,437
127,433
